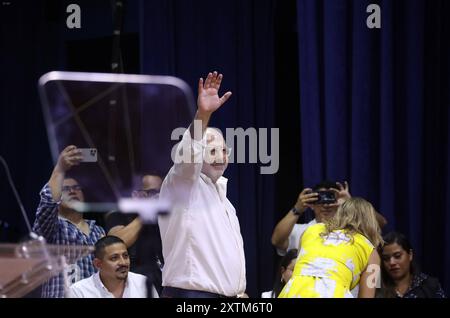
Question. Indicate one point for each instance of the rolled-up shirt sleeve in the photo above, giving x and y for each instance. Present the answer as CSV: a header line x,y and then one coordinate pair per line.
x,y
185,172
46,215
189,157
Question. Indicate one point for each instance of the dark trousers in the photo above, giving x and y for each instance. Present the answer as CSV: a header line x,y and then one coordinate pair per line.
x,y
173,292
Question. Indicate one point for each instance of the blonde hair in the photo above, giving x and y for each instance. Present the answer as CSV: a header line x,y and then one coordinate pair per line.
x,y
356,215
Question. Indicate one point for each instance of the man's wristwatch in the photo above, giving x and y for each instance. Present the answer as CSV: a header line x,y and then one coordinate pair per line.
x,y
296,211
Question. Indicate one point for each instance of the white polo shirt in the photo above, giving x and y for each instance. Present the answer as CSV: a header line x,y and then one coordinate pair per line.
x,y
92,287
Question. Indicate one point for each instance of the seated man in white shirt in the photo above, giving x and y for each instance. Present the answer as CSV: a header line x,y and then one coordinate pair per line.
x,y
113,279
202,244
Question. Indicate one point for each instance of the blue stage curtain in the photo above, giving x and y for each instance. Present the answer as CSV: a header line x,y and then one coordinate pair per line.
x,y
374,111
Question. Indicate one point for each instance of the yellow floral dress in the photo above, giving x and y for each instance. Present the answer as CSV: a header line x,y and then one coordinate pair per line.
x,y
328,267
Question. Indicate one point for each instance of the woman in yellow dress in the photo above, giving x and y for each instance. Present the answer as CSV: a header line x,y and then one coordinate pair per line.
x,y
337,255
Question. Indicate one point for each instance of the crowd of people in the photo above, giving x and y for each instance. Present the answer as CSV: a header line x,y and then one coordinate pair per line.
x,y
199,250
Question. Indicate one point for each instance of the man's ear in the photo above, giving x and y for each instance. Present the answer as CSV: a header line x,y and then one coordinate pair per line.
x,y
411,256
97,263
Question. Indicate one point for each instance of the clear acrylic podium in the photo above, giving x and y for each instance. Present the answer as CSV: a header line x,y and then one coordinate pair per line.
x,y
134,122
25,266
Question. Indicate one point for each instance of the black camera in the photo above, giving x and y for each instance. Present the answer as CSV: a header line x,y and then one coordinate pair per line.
x,y
325,197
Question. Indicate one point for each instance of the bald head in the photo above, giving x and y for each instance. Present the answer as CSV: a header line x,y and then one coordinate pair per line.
x,y
151,182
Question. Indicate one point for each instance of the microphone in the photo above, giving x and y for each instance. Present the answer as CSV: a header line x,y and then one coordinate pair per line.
x,y
19,202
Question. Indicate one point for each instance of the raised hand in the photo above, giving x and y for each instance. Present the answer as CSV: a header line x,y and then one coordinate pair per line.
x,y
305,199
208,100
69,157
342,194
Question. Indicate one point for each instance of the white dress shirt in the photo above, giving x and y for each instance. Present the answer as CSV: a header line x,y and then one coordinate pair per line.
x,y
267,294
92,287
202,243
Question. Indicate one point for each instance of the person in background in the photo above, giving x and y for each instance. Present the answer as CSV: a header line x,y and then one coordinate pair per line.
x,y
113,279
283,274
143,241
287,232
400,275
59,223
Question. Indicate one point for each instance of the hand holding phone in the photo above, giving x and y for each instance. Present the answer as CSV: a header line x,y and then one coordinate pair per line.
x,y
88,154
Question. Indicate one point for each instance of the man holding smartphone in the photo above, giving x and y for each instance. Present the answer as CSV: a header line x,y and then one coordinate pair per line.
x,y
59,223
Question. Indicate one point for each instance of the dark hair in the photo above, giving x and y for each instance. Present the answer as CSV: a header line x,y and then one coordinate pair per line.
x,y
403,242
104,242
399,238
284,263
71,176
325,185
153,172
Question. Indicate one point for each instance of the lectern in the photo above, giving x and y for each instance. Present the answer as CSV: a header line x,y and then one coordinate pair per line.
x,y
25,266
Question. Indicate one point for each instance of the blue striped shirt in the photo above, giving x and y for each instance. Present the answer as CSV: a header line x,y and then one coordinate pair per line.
x,y
57,230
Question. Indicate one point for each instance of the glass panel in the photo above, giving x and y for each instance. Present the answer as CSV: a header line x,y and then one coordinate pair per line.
x,y
128,119
25,266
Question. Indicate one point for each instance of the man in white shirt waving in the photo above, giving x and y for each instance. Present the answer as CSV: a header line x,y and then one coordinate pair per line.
x,y
202,243
113,280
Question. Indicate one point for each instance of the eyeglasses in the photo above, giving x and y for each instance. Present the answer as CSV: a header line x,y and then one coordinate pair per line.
x,y
141,193
212,150
76,187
